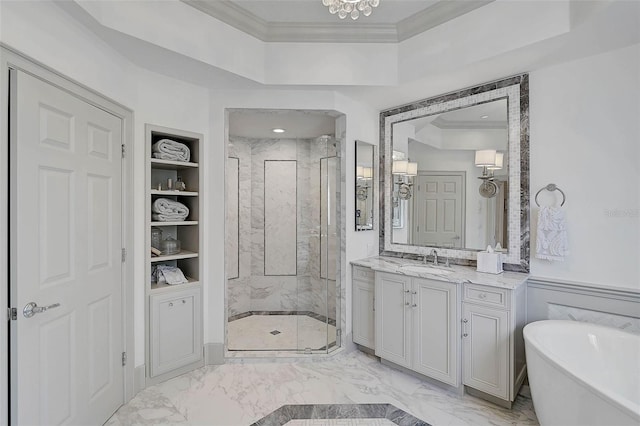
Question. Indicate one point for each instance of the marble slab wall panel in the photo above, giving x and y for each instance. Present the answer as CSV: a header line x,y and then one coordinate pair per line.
x,y
280,217
274,293
239,289
233,228
307,291
562,312
267,293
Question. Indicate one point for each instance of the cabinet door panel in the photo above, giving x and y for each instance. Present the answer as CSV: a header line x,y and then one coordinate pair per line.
x,y
435,336
363,314
486,349
176,338
393,318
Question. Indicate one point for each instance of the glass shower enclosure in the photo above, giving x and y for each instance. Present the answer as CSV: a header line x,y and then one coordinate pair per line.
x,y
283,244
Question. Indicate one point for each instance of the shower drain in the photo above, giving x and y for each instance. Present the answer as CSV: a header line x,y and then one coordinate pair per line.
x,y
274,332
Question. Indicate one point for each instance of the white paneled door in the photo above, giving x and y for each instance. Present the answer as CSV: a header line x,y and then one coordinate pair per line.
x,y
66,239
439,210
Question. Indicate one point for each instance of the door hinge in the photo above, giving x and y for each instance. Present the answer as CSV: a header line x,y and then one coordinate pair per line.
x,y
12,314
124,359
123,150
124,255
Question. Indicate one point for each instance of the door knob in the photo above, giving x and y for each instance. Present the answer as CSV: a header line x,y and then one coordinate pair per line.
x,y
32,308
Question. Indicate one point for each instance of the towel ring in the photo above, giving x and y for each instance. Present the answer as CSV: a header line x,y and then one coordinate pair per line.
x,y
551,187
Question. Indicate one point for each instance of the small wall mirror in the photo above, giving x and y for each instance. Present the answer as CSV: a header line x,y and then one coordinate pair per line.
x,y
364,186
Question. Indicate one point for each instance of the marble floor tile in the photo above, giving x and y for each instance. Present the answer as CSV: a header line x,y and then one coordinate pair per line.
x,y
243,393
279,332
341,422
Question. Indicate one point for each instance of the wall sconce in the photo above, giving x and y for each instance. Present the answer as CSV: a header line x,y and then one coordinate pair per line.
x,y
485,158
498,165
412,169
367,173
399,167
489,160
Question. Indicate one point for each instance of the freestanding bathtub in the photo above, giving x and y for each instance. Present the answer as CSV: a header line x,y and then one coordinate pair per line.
x,y
583,374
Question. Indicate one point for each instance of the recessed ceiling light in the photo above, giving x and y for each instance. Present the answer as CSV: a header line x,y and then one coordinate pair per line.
x,y
278,130
484,116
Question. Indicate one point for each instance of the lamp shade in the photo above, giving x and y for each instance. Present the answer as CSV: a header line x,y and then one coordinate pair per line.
x,y
412,169
359,172
368,173
499,161
399,167
485,158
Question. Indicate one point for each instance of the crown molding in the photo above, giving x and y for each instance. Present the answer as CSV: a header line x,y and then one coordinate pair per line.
x,y
435,15
357,32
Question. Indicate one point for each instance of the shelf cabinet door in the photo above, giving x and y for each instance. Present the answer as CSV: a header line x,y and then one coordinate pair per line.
x,y
363,313
176,335
486,349
393,318
435,329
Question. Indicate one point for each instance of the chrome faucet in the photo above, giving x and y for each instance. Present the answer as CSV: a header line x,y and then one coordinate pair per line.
x,y
434,253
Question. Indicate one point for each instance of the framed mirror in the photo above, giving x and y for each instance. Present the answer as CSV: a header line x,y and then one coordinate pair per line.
x,y
455,172
364,210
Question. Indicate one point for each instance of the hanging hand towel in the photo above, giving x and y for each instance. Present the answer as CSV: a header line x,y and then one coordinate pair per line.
x,y
551,242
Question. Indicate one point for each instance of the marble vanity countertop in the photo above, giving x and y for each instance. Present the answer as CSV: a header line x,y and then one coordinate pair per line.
x,y
455,274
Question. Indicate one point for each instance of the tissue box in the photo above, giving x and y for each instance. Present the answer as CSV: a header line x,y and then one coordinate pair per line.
x,y
489,262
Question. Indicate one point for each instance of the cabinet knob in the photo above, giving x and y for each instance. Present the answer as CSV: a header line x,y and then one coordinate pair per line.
x,y
406,303
465,320
465,335
184,301
482,295
170,304
414,306
406,291
414,292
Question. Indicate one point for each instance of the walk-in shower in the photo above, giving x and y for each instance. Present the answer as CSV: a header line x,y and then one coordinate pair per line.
x,y
283,242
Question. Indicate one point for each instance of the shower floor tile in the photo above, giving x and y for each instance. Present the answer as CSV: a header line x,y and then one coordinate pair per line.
x,y
294,332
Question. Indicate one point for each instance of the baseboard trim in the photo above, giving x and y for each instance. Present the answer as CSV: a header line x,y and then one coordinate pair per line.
x,y
214,354
139,379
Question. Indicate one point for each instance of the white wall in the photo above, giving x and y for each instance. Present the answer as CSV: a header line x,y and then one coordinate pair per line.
x,y
44,32
585,137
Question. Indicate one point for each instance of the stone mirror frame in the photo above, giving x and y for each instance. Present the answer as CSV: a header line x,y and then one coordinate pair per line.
x,y
516,91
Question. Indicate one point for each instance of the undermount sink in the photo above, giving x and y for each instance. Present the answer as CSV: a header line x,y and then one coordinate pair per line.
x,y
424,269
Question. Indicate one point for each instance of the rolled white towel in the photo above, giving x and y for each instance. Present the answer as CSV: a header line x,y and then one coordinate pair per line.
x,y
168,217
167,207
171,150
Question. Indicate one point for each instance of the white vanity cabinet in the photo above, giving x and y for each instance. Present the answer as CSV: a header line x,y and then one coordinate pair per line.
x,y
417,325
493,347
176,339
363,306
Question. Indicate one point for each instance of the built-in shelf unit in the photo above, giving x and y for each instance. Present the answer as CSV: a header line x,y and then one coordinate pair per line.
x,y
174,312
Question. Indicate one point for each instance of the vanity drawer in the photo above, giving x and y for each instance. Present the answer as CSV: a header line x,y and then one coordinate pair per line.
x,y
361,273
484,295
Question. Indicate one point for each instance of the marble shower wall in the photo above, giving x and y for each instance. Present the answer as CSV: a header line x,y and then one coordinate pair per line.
x,y
305,291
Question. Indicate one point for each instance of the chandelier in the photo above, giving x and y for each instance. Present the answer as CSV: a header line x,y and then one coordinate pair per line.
x,y
351,8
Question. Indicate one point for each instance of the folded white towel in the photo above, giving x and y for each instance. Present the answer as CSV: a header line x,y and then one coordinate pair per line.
x,y
169,207
552,242
169,274
168,217
171,150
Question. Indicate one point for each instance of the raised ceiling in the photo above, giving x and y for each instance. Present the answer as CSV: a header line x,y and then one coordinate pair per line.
x,y
310,21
